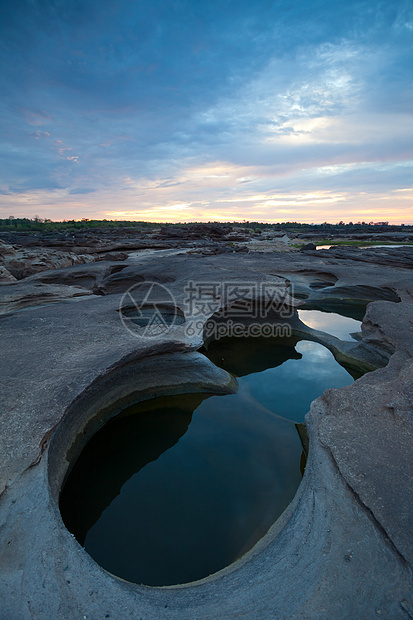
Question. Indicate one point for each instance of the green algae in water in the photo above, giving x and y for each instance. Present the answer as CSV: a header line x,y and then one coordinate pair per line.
x,y
177,488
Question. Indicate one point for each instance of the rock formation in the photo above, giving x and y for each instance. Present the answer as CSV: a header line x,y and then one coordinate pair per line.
x,y
343,548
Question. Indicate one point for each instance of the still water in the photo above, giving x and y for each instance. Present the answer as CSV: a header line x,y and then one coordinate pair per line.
x,y
178,487
364,247
340,326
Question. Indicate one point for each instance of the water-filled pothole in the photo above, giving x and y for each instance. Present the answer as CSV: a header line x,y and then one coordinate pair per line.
x,y
178,487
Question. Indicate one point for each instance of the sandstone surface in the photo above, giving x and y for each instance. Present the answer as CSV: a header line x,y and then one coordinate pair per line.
x,y
342,549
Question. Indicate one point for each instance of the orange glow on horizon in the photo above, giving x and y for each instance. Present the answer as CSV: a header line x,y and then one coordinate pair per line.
x,y
187,200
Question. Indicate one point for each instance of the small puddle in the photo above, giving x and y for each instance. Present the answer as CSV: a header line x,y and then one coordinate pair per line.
x,y
178,487
363,247
340,326
332,313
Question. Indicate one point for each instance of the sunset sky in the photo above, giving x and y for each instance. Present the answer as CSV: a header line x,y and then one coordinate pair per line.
x,y
182,110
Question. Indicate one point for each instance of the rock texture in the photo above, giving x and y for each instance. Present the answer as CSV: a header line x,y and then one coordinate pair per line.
x,y
398,257
343,547
21,262
6,276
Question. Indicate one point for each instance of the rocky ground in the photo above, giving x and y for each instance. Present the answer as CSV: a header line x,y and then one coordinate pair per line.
x,y
24,254
343,548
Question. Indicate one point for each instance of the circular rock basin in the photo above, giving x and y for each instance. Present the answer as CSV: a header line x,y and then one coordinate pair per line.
x,y
176,488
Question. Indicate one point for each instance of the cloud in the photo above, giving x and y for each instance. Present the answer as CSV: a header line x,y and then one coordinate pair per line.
x,y
81,190
36,117
194,100
40,134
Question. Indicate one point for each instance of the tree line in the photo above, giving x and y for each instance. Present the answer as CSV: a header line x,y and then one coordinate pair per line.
x,y
37,224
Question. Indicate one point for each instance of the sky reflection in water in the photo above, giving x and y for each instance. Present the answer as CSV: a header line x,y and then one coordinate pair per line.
x,y
334,324
177,488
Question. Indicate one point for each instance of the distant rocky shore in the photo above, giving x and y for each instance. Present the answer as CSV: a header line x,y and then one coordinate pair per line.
x,y
23,254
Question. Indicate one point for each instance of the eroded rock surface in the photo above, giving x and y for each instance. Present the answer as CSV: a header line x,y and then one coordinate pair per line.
x,y
342,549
6,276
397,257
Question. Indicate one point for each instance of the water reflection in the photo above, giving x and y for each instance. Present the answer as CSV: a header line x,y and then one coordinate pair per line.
x,y
354,309
289,383
243,356
178,487
121,449
364,247
334,324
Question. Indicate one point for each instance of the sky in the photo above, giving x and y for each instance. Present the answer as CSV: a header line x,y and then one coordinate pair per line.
x,y
201,110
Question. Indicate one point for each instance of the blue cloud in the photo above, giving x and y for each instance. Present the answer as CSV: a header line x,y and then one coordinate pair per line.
x,y
80,190
98,91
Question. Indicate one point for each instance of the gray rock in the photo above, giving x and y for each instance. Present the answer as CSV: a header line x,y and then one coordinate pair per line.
x,y
26,262
6,249
397,257
343,547
15,296
5,275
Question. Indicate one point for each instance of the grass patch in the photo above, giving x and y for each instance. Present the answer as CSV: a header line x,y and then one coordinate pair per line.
x,y
358,243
